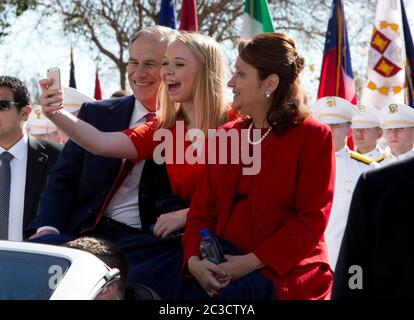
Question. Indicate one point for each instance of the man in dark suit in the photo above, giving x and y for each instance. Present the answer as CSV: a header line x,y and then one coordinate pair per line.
x,y
24,161
80,197
376,259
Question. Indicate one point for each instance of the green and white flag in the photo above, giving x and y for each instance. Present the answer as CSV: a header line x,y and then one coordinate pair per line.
x,y
256,18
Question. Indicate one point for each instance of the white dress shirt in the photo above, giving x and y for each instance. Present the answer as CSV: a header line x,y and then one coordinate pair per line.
x,y
393,158
348,171
18,166
124,204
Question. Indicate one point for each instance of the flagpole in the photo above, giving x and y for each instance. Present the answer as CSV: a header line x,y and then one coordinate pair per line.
x,y
345,36
408,46
339,49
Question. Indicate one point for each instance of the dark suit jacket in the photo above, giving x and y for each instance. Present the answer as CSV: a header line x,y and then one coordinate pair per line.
x,y
80,181
41,157
378,236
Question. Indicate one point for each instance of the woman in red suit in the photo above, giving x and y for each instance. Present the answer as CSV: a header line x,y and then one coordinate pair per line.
x,y
277,217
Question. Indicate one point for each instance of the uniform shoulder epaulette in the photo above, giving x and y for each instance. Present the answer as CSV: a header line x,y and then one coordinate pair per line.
x,y
382,157
361,158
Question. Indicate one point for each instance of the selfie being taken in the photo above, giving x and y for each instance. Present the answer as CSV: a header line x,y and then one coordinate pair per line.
x,y
206,153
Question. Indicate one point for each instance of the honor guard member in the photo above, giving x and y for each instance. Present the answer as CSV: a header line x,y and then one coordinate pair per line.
x,y
366,131
397,121
337,113
72,102
40,127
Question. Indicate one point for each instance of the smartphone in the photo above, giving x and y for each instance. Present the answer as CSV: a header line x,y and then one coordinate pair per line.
x,y
53,75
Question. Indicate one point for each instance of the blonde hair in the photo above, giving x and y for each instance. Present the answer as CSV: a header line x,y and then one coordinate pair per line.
x,y
208,91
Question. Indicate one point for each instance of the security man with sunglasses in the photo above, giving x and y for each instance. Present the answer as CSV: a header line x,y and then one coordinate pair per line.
x,y
24,161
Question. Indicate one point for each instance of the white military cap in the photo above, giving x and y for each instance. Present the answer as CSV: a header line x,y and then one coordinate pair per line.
x,y
37,123
331,110
73,99
397,116
366,117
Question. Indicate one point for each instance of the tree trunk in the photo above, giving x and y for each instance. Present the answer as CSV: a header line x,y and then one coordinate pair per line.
x,y
122,67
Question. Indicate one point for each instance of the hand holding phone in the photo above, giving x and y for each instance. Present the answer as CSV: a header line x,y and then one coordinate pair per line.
x,y
53,75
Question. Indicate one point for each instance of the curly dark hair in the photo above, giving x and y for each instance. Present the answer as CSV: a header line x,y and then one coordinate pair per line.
x,y
19,89
276,53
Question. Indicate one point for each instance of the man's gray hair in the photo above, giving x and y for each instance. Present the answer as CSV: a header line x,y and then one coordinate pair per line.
x,y
163,34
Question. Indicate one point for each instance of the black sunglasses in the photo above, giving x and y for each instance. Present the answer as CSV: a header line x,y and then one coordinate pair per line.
x,y
6,104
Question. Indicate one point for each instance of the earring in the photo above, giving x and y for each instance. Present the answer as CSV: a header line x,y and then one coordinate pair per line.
x,y
267,94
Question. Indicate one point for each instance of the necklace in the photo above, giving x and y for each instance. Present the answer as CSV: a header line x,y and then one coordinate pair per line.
x,y
261,139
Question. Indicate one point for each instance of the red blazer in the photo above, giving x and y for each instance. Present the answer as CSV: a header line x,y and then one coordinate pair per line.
x,y
290,201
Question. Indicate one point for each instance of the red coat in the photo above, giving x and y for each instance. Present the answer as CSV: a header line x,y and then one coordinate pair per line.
x,y
289,202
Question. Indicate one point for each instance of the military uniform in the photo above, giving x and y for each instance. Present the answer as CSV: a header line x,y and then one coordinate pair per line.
x,y
73,100
38,124
378,155
393,158
397,116
349,166
369,117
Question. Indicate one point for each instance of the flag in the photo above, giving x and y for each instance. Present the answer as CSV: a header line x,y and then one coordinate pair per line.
x,y
256,18
409,56
168,15
72,81
98,92
337,78
386,74
189,19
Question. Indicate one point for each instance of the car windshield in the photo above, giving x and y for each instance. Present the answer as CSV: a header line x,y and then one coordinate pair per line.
x,y
29,276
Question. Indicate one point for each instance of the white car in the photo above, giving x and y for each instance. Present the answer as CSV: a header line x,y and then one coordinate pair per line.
x,y
32,271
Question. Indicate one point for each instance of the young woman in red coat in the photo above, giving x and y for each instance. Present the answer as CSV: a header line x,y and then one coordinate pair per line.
x,y
192,92
277,217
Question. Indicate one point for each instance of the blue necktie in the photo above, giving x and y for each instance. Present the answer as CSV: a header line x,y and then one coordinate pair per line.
x,y
5,180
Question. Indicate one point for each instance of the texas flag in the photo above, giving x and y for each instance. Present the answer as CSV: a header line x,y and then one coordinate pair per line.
x,y
386,73
337,78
